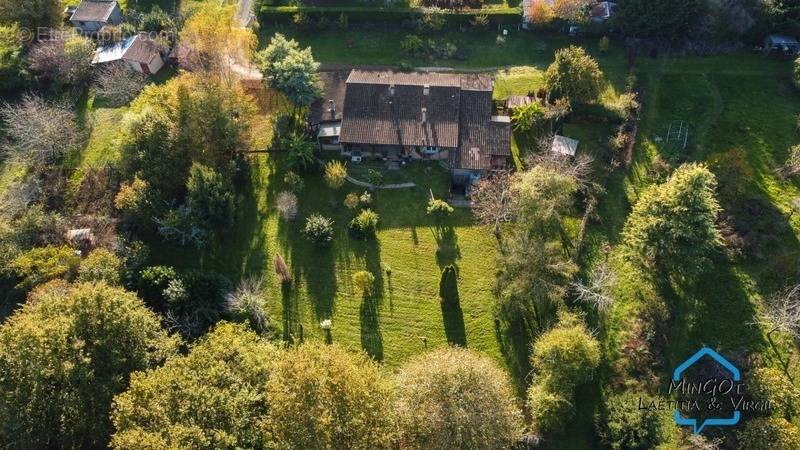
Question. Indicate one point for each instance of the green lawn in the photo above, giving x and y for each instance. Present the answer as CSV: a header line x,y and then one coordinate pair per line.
x,y
406,257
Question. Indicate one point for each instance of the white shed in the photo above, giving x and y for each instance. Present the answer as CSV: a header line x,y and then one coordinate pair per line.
x,y
564,145
139,53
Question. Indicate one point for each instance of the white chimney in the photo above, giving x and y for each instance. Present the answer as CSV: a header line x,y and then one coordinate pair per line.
x,y
391,90
331,107
426,89
424,115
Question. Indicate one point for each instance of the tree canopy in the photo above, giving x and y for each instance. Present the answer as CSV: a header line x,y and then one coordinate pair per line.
x,y
670,19
672,226
575,75
65,354
323,397
290,70
31,14
482,415
216,399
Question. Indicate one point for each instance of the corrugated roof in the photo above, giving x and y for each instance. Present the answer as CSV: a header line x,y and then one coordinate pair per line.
x,y
564,145
93,11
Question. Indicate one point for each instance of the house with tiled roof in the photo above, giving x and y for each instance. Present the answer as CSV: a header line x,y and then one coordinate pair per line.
x,y
138,52
414,115
93,15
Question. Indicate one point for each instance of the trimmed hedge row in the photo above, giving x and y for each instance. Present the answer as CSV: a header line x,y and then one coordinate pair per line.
x,y
371,14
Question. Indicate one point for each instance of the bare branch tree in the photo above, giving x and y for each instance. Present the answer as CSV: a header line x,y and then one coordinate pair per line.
x,y
782,312
287,205
118,84
39,132
492,201
595,290
580,167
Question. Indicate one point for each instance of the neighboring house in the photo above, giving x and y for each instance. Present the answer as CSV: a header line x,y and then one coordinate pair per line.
x,y
414,115
786,45
602,11
93,15
139,52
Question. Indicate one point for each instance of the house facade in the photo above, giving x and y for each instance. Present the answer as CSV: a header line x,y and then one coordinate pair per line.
x,y
92,15
402,116
138,52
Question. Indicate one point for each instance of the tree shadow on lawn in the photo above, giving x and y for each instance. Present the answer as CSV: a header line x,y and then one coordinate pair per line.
x,y
454,329
515,337
715,311
369,251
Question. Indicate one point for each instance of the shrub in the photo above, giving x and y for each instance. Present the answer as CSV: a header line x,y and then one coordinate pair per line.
x,y
153,282
364,282
604,44
294,182
101,265
550,410
526,118
209,197
366,198
439,209
500,41
319,229
432,20
43,264
412,45
567,356
352,201
480,21
454,398
335,174
365,223
622,425
248,302
11,71
287,205
118,84
374,177
448,286
300,153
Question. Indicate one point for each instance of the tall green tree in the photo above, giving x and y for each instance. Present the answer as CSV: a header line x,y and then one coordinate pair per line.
x,y
64,355
216,399
290,70
672,227
210,197
454,398
575,75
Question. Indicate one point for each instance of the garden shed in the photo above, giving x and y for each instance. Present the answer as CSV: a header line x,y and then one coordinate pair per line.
x,y
786,45
564,145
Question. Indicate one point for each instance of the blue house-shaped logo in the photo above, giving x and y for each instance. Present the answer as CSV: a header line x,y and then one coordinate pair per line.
x,y
676,376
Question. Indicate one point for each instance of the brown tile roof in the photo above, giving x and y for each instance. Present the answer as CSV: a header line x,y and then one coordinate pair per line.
x,y
334,85
93,11
386,108
141,50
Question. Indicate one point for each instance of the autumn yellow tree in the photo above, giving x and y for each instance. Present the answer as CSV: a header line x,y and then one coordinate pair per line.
x,y
217,42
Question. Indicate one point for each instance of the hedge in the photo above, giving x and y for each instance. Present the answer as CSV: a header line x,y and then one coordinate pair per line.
x,y
397,15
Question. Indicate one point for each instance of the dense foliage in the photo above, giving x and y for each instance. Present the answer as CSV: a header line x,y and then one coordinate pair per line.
x,y
672,228
64,355
483,415
322,397
575,75
670,19
623,426
216,397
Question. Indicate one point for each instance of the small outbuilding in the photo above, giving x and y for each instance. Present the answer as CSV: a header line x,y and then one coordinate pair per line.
x,y
92,15
518,101
139,52
564,145
782,44
602,11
